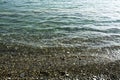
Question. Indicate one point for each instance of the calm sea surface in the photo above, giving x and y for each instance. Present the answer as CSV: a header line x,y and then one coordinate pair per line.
x,y
67,23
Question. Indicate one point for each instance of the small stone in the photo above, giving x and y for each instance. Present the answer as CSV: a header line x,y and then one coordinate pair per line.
x,y
62,73
16,48
22,75
37,78
68,52
45,73
113,77
73,63
62,58
9,78
94,79
41,78
67,75
77,79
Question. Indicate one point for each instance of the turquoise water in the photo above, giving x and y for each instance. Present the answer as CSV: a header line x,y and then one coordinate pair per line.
x,y
67,23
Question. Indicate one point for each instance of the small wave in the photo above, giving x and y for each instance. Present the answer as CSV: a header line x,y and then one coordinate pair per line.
x,y
79,29
113,30
111,21
3,2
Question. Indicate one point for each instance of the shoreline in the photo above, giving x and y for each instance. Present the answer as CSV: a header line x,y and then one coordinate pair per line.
x,y
21,62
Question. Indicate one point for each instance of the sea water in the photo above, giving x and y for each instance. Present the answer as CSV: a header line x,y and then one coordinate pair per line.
x,y
66,23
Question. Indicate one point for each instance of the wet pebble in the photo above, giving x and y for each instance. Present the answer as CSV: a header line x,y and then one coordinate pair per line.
x,y
113,77
94,77
45,73
67,75
64,74
22,75
9,78
68,52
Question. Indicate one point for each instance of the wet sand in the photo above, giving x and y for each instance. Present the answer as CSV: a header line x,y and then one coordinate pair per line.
x,y
29,63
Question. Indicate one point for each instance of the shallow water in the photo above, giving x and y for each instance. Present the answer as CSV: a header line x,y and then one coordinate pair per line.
x,y
66,23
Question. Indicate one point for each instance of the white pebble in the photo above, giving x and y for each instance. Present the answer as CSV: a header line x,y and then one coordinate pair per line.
x,y
68,52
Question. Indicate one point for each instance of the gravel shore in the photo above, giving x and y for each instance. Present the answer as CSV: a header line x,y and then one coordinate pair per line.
x,y
28,63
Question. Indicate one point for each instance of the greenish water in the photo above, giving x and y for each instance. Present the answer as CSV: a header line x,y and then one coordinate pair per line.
x,y
66,23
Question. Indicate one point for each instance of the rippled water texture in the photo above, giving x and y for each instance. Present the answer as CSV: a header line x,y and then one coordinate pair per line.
x,y
67,23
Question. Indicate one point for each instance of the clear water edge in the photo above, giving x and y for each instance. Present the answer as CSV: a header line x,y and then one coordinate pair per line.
x,y
54,23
